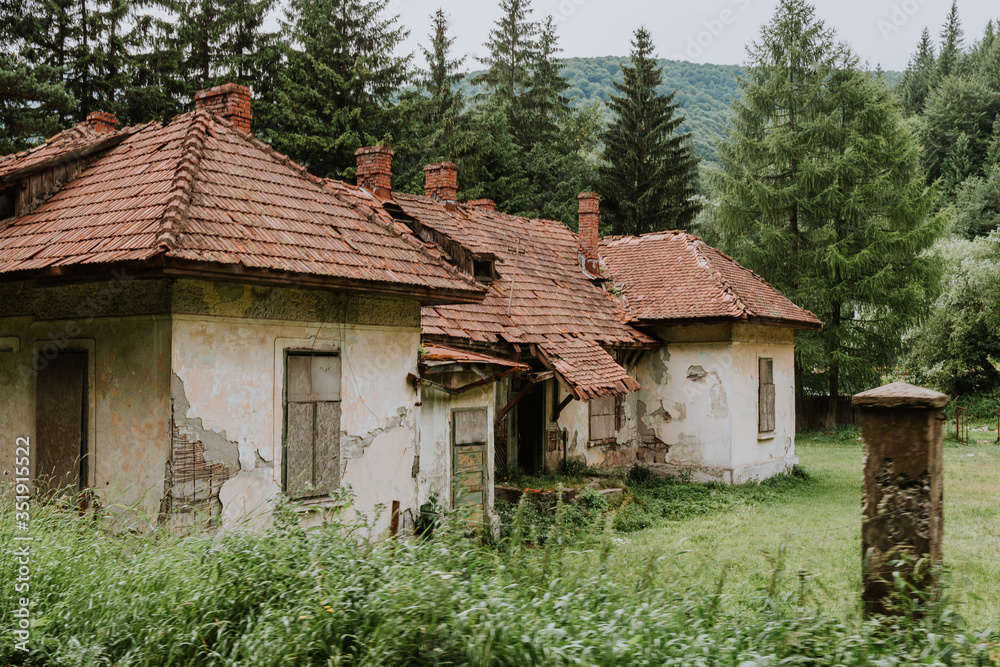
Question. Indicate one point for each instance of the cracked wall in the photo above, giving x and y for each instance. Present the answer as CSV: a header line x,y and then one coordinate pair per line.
x,y
229,353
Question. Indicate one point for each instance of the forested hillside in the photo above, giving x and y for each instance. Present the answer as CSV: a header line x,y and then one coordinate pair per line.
x,y
703,91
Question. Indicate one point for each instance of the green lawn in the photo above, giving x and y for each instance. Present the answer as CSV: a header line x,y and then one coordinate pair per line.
x,y
814,532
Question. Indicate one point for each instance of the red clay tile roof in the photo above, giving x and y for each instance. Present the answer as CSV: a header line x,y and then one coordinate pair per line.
x,y
199,190
552,303
672,277
79,140
433,354
586,370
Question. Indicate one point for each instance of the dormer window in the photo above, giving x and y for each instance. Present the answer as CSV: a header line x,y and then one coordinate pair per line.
x,y
8,202
482,270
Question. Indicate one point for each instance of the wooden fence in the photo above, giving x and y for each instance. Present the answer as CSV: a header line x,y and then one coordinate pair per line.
x,y
810,412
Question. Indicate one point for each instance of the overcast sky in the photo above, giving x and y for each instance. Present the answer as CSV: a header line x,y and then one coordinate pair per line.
x,y
704,31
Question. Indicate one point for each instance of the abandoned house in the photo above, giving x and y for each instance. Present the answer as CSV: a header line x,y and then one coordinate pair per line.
x,y
192,323
657,349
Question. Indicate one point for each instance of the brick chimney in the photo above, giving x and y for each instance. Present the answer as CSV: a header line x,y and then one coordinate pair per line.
x,y
483,204
589,205
102,121
374,167
230,101
441,181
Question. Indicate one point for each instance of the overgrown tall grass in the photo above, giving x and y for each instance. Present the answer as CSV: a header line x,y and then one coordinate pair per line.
x,y
329,596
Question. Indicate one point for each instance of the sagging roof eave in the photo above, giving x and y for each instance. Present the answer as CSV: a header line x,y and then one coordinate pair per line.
x,y
805,325
97,146
161,266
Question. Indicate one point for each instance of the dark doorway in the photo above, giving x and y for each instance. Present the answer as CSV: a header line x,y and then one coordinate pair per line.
x,y
531,430
61,422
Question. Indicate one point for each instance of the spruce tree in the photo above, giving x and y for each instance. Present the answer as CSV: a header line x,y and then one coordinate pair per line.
x,y
340,77
433,121
33,98
546,103
918,77
949,61
513,53
648,181
820,191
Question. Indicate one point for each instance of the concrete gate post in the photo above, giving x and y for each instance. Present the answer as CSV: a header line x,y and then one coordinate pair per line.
x,y
902,502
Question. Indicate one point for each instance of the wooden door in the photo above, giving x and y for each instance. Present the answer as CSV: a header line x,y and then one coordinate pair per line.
x,y
61,422
468,472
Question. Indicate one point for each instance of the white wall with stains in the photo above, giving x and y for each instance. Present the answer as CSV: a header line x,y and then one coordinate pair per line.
x,y
699,402
128,416
754,456
231,374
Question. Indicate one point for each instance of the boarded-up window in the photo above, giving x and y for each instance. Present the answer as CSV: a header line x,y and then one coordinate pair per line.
x,y
765,399
312,425
602,418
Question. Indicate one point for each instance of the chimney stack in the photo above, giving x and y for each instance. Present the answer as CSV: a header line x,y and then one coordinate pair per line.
x,y
230,100
483,204
589,206
441,181
374,168
102,121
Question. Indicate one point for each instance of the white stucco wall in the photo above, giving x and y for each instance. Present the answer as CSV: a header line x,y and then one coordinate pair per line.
x,y
231,371
756,456
699,399
685,401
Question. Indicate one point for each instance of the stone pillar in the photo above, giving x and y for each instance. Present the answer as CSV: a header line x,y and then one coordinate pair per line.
x,y
902,504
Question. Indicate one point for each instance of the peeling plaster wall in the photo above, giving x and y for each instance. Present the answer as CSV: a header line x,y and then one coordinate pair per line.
x,y
686,400
574,420
128,421
435,470
230,369
752,457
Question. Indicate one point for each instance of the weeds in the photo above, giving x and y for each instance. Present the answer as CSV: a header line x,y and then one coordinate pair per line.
x,y
325,596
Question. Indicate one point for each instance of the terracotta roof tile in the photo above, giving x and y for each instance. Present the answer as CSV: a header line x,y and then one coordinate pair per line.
x,y
196,189
675,277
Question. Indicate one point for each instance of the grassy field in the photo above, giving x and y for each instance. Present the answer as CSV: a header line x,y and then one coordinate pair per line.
x,y
767,575
814,531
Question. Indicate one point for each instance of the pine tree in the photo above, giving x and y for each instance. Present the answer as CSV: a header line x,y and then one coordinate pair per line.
x,y
513,53
340,77
820,191
439,83
649,176
949,60
33,98
920,71
435,126
545,100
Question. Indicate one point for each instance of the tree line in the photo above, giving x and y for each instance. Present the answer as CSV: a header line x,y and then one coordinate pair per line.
x,y
871,200
330,79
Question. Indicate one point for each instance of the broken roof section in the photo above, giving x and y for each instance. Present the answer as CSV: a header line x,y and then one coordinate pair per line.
x,y
203,198
675,278
540,297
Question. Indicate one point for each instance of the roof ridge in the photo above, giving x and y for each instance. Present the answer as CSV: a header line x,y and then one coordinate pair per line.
x,y
183,183
695,244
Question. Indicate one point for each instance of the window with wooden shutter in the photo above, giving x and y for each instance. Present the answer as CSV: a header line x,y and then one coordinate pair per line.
x,y
765,399
312,424
602,418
